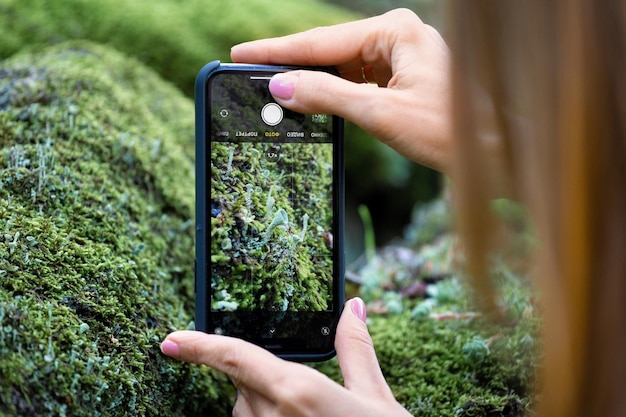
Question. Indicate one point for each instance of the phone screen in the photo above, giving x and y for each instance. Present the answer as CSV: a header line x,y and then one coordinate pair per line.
x,y
274,261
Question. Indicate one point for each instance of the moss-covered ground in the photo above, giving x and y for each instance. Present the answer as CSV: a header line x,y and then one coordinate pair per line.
x,y
97,237
457,367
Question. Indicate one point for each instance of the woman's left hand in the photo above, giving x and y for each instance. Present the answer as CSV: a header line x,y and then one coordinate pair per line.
x,y
269,386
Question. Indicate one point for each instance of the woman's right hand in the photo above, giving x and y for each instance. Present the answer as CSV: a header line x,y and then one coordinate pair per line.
x,y
412,114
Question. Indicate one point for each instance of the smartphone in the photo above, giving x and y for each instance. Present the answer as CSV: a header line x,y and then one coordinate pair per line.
x,y
269,215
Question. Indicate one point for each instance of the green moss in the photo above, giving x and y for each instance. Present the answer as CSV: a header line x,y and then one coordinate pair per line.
x,y
176,38
96,250
268,227
432,372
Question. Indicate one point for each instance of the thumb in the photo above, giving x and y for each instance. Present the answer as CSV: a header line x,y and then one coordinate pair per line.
x,y
321,92
388,114
355,352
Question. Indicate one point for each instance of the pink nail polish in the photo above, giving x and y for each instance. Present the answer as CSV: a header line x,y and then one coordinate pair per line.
x,y
358,308
170,348
283,86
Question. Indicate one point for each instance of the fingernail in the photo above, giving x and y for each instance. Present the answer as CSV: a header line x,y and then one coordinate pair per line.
x,y
170,348
358,308
283,85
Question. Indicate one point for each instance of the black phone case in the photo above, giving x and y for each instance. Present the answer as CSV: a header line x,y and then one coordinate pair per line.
x,y
202,264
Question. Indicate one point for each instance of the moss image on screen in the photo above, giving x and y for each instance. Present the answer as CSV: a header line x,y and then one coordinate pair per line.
x,y
271,226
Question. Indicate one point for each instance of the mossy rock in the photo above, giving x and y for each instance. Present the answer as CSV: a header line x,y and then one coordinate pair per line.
x,y
96,251
439,367
174,37
455,367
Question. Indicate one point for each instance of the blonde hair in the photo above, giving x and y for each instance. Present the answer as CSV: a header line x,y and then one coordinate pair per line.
x,y
540,108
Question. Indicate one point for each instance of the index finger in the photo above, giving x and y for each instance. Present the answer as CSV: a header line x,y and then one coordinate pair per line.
x,y
226,354
347,46
246,364
340,45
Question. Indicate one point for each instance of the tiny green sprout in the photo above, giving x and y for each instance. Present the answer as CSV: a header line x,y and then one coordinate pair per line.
x,y
280,219
50,354
255,155
227,244
244,149
247,218
13,244
295,239
393,302
103,387
446,291
83,328
527,341
231,154
249,190
269,205
45,161
423,309
18,157
476,350
220,259
139,248
305,224
223,302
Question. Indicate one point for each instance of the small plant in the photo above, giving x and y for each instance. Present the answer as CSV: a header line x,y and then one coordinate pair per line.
x,y
280,219
231,154
305,224
476,350
269,205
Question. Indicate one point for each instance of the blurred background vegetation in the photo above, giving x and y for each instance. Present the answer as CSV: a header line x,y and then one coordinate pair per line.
x,y
176,37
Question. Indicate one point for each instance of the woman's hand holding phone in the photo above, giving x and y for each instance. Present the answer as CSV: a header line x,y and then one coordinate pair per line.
x,y
412,115
396,50
270,386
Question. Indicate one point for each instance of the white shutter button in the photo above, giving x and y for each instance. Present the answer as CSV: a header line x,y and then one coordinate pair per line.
x,y
272,114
